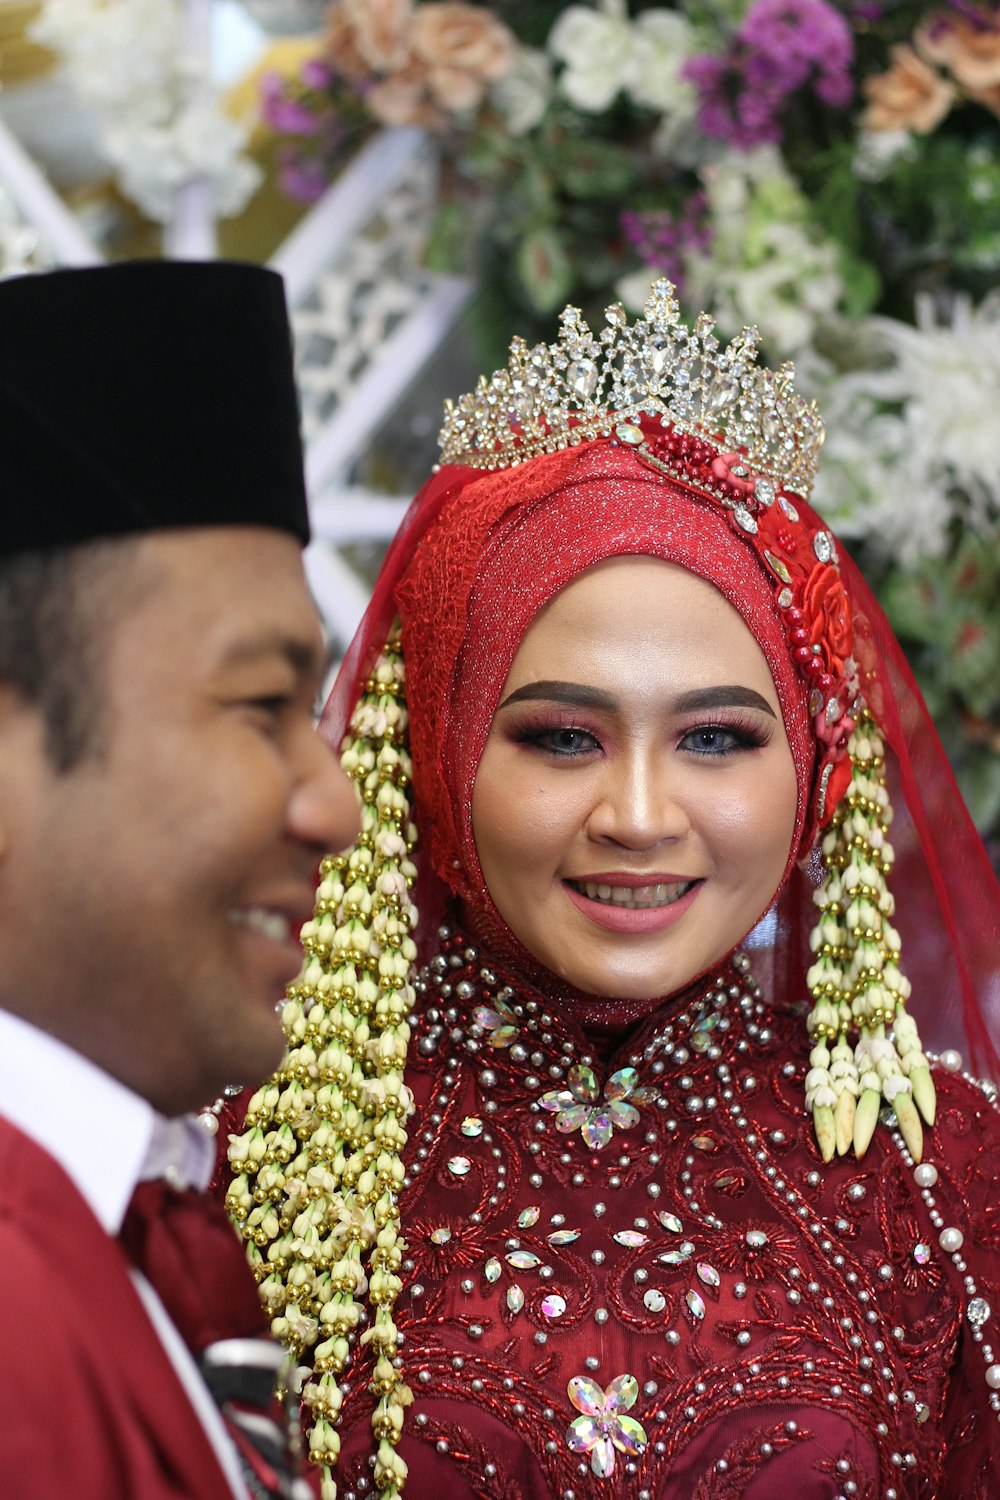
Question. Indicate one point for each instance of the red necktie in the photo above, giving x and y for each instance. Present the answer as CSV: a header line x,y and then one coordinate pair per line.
x,y
189,1253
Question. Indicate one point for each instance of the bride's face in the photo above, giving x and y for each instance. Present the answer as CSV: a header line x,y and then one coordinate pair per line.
x,y
634,806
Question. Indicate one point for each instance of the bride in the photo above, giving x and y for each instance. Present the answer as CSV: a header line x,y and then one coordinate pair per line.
x,y
625,1172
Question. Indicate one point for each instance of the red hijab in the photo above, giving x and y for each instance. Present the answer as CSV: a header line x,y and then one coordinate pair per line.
x,y
480,553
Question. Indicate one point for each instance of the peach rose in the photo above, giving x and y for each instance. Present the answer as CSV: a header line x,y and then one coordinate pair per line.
x,y
455,90
989,97
340,47
382,29
404,99
911,96
970,53
462,39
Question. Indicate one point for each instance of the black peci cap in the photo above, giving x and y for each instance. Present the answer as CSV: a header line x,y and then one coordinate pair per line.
x,y
145,396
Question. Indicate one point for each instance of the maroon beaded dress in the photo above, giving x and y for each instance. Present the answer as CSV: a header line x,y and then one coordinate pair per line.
x,y
631,1274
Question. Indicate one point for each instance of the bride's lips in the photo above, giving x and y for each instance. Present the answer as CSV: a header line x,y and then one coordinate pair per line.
x,y
632,903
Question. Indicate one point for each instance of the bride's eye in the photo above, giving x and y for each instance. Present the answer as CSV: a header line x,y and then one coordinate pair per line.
x,y
724,739
561,741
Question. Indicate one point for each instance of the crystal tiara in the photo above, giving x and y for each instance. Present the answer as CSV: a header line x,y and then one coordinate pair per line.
x,y
557,395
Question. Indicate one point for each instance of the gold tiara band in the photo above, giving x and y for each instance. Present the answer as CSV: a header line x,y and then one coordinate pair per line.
x,y
555,396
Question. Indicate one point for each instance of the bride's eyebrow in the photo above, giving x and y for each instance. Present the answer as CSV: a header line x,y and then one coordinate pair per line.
x,y
730,696
580,695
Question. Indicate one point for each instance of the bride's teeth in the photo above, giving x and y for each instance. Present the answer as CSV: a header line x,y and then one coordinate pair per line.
x,y
637,896
270,924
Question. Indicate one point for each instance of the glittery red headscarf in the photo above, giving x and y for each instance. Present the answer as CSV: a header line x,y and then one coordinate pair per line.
x,y
464,621
480,553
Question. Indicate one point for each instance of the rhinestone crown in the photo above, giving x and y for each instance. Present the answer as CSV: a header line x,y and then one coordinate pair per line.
x,y
557,395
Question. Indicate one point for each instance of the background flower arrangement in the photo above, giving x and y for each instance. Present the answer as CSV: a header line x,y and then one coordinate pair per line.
x,y
831,172
163,121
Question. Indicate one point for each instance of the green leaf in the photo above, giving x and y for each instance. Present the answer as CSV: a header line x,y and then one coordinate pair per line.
x,y
593,169
447,246
544,269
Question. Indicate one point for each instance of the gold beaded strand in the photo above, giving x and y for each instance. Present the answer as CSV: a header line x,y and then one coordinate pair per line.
x,y
855,980
318,1164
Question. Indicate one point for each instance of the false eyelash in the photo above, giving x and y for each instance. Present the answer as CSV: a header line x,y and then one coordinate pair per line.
x,y
533,731
749,734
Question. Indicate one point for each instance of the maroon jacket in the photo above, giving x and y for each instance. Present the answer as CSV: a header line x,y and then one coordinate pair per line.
x,y
91,1404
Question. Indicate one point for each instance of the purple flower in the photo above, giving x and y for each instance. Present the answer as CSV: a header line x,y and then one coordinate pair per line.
x,y
787,40
781,47
304,178
972,10
316,74
284,108
663,239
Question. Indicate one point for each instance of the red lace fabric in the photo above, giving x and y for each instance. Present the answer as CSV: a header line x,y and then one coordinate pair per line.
x,y
787,1328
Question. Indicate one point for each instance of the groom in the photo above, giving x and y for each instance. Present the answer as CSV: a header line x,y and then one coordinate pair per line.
x,y
164,802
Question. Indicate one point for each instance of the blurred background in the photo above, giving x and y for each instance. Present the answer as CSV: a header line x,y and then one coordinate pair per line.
x,y
433,177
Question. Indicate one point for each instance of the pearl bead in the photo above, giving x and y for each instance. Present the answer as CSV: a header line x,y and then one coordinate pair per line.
x,y
926,1175
209,1122
952,1060
993,1377
951,1239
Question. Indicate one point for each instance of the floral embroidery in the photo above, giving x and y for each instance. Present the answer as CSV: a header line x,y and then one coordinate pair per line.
x,y
581,1107
814,1274
603,1427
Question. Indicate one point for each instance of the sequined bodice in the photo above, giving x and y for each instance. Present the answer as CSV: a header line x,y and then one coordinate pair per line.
x,y
633,1276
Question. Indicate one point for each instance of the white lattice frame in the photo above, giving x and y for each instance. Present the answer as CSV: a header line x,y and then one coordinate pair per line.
x,y
366,232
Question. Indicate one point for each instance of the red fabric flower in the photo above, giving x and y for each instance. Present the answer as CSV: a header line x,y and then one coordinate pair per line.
x,y
827,617
786,539
740,485
836,787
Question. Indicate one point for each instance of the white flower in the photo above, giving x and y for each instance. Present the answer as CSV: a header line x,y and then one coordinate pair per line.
x,y
950,374
766,264
22,248
893,1085
915,423
163,122
596,48
605,54
301,1328
118,52
877,151
662,42
522,95
633,290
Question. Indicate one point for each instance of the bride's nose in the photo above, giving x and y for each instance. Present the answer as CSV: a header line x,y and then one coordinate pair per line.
x,y
639,802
